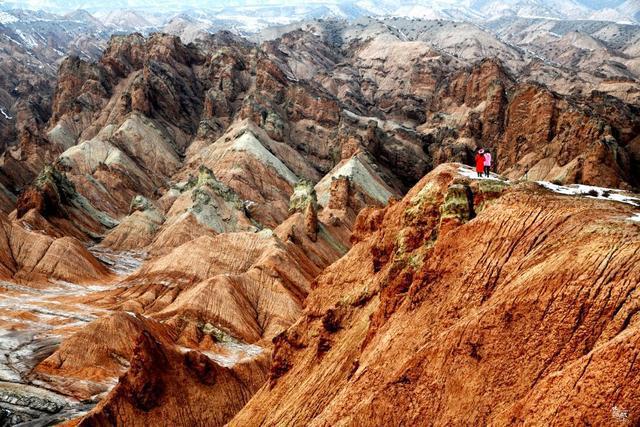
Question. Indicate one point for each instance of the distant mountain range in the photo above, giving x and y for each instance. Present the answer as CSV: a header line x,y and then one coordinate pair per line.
x,y
259,14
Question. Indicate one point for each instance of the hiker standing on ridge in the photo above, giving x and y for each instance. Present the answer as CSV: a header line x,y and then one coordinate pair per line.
x,y
480,162
487,163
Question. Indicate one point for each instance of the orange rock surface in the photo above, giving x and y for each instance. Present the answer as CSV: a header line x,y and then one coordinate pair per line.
x,y
194,223
28,256
525,314
164,386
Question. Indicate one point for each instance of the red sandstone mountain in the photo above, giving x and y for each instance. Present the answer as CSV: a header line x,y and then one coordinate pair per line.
x,y
201,222
467,303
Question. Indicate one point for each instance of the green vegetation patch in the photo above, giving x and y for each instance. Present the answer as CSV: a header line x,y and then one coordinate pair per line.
x,y
304,193
456,203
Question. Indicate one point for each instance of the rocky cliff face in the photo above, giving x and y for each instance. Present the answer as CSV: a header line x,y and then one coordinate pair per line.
x,y
325,92
604,159
536,133
196,223
31,257
165,386
467,302
33,45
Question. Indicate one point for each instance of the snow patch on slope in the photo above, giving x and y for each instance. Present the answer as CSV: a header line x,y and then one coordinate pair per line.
x,y
4,113
592,192
7,18
471,173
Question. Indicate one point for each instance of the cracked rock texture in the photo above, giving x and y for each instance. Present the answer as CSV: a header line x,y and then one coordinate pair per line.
x,y
185,225
525,314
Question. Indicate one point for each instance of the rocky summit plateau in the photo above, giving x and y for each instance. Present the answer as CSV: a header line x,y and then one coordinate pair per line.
x,y
271,215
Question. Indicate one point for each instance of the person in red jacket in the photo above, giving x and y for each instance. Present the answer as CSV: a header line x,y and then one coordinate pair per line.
x,y
480,162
